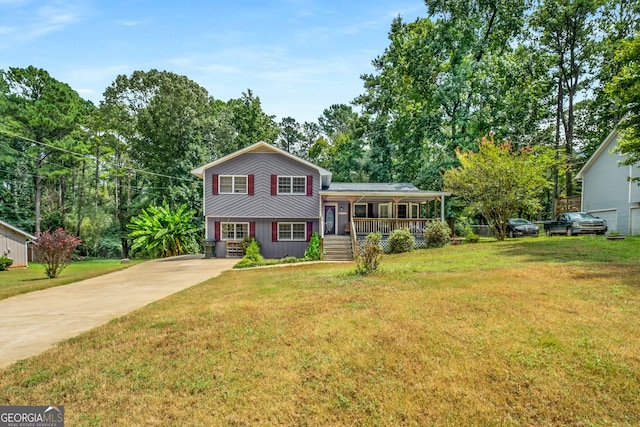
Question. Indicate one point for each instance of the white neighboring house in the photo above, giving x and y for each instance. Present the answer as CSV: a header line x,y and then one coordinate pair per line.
x,y
607,191
13,244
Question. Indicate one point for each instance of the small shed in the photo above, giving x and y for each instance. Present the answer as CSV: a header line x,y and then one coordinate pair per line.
x,y
13,244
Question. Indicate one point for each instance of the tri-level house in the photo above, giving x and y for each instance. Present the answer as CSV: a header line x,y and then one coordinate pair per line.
x,y
279,199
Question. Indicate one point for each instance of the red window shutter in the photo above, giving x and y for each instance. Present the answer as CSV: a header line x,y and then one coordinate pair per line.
x,y
309,230
214,184
309,185
217,231
250,185
252,229
274,185
274,231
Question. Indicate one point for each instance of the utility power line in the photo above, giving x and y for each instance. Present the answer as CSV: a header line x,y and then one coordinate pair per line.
x,y
53,147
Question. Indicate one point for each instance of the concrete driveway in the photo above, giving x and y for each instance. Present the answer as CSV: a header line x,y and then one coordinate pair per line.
x,y
34,322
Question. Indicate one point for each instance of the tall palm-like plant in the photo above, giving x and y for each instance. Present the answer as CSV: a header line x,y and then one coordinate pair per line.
x,y
159,231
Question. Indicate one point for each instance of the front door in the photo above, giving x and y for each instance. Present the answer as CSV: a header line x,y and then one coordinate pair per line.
x,y
330,220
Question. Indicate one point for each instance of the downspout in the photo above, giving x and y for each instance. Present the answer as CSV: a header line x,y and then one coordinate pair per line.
x,y
204,214
26,252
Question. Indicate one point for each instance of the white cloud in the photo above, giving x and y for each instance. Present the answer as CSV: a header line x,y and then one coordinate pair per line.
x,y
91,82
53,16
131,23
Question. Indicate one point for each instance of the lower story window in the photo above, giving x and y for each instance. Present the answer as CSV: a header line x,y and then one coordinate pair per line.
x,y
234,230
292,231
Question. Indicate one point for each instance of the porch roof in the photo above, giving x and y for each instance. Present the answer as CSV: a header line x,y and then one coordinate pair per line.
x,y
380,191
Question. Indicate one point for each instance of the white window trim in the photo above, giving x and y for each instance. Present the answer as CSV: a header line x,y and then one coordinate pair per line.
x,y
413,206
366,210
233,184
388,205
407,211
291,239
291,193
235,226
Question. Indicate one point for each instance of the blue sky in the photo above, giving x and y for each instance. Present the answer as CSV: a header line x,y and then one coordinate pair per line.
x,y
298,56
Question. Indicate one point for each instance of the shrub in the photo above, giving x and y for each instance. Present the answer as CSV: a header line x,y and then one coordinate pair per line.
x,y
314,250
253,252
471,237
437,234
244,244
54,250
369,261
245,263
161,231
401,240
5,263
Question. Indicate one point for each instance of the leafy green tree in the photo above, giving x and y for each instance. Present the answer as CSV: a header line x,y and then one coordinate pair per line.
x,y
625,88
499,182
565,33
251,123
342,146
46,114
310,134
379,157
616,22
290,135
161,231
438,85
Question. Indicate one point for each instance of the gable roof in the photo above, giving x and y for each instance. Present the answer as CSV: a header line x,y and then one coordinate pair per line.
x,y
601,149
17,230
262,147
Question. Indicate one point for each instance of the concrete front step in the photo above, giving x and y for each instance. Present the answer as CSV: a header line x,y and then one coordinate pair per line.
x,y
337,248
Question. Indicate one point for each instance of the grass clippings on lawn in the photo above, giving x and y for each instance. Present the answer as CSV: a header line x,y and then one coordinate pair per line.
x,y
512,333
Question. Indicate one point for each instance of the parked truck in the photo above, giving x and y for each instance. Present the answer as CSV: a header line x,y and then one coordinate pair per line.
x,y
571,223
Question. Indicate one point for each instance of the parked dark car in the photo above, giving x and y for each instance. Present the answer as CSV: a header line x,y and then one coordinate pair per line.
x,y
521,227
571,223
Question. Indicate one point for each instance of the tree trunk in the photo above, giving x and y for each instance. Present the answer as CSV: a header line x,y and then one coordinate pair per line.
x,y
38,199
559,112
80,201
63,199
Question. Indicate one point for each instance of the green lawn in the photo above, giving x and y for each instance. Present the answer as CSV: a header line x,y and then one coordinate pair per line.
x,y
22,280
531,332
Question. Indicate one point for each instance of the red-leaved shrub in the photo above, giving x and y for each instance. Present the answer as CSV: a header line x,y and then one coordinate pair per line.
x,y
54,250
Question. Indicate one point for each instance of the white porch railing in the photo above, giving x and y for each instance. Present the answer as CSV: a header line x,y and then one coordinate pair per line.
x,y
364,226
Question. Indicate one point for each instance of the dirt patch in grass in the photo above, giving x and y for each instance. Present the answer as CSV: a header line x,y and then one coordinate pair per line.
x,y
454,336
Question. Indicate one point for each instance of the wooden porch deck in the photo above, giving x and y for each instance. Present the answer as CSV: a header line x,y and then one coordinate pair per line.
x,y
385,226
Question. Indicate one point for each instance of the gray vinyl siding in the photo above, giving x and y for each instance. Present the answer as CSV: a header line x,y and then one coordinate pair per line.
x,y
263,229
262,204
606,188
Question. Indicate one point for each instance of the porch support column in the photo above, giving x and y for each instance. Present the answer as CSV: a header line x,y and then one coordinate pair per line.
x,y
321,224
442,208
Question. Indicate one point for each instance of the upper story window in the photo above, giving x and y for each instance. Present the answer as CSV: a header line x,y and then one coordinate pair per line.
x,y
292,185
232,184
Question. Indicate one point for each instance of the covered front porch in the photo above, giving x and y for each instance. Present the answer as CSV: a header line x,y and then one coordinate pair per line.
x,y
358,209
